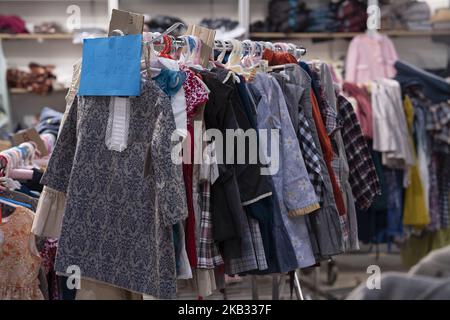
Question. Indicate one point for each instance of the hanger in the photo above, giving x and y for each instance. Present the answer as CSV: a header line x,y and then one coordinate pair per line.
x,y
168,31
148,51
118,32
292,49
277,46
234,60
149,44
176,45
223,50
165,52
246,48
259,49
269,45
14,203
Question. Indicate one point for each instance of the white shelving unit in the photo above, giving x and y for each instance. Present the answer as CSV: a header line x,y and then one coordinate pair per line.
x,y
59,50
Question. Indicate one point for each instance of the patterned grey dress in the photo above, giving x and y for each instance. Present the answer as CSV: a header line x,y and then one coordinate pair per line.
x,y
117,226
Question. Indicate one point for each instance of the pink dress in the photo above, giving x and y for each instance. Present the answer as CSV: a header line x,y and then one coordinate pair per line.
x,y
196,95
19,266
370,57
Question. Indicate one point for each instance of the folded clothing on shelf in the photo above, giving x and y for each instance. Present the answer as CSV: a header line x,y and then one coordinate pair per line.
x,y
12,24
161,23
39,79
287,16
295,16
225,28
48,28
411,15
323,19
352,16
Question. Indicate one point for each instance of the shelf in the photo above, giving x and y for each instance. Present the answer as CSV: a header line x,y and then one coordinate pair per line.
x,y
256,35
25,91
344,35
37,37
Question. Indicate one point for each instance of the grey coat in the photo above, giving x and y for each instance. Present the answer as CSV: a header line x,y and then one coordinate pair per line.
x,y
117,225
323,225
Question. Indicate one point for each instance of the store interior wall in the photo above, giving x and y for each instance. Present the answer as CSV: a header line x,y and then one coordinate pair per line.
x,y
420,51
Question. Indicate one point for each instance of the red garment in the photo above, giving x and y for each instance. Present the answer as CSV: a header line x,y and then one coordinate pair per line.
x,y
196,95
278,58
165,52
48,254
188,168
327,150
12,24
364,109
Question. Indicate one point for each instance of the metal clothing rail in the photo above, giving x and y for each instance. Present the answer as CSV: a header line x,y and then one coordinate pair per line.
x,y
227,45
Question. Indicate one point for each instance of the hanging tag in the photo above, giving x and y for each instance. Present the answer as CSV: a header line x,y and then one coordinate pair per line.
x,y
30,135
111,66
127,22
207,36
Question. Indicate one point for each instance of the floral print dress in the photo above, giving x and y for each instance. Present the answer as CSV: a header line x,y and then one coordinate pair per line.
x,y
121,206
19,266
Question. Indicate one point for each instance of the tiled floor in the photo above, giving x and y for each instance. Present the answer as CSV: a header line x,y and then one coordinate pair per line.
x,y
351,270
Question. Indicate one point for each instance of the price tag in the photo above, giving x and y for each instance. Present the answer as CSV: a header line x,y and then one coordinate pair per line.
x,y
127,22
111,66
207,36
31,135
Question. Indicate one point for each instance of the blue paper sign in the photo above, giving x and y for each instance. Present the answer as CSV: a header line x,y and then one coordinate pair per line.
x,y
111,66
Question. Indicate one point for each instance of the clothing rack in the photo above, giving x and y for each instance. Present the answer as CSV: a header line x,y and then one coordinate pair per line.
x,y
248,46
242,48
227,45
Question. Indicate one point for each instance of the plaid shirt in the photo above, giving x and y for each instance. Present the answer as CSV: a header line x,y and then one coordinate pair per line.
x,y
438,121
363,177
444,188
329,116
310,155
438,124
253,256
208,255
328,113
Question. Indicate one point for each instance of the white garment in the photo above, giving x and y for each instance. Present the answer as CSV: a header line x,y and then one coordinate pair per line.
x,y
390,130
205,282
49,213
52,203
184,270
178,101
